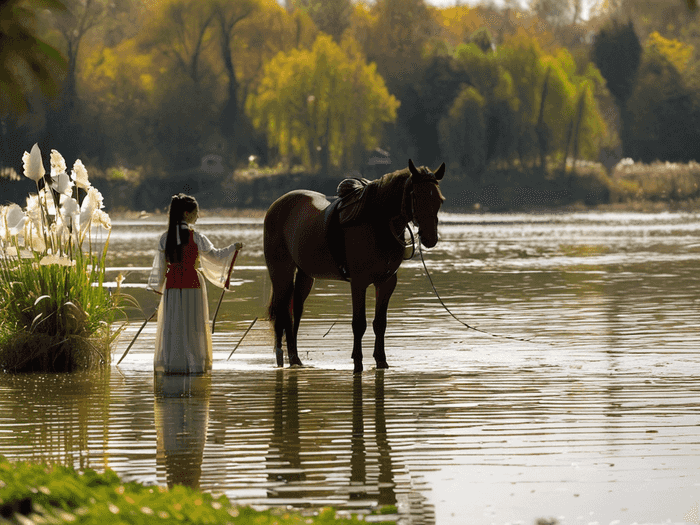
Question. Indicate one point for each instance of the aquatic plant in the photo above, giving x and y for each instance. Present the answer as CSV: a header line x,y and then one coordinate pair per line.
x,y
56,315
41,493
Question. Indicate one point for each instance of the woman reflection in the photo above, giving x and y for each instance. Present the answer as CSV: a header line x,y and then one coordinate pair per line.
x,y
181,408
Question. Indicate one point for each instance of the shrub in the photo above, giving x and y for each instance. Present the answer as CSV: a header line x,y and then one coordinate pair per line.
x,y
56,315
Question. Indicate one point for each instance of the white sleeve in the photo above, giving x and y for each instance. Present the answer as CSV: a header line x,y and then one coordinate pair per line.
x,y
156,279
214,262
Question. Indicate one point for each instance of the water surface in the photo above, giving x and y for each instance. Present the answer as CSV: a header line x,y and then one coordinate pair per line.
x,y
588,412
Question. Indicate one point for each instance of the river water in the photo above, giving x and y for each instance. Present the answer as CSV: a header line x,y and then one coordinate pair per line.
x,y
578,400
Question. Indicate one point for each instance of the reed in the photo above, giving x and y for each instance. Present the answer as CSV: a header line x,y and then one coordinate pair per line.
x,y
658,181
56,315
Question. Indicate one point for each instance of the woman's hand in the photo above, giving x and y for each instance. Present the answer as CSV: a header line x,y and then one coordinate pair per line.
x,y
238,246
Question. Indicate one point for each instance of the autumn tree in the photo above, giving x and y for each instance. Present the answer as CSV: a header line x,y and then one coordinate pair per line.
x,y
519,104
400,30
331,16
229,16
27,61
325,106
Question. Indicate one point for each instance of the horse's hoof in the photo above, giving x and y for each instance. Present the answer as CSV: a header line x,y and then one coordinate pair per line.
x,y
358,369
381,365
279,354
295,361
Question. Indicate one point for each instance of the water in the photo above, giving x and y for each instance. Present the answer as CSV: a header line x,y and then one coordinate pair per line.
x,y
593,419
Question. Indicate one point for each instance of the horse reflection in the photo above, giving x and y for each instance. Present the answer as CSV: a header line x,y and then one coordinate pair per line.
x,y
181,409
371,478
284,458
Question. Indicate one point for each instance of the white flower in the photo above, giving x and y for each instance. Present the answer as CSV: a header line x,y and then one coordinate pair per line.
x,y
33,208
70,207
15,219
80,175
33,166
61,183
58,164
34,238
3,229
96,198
102,218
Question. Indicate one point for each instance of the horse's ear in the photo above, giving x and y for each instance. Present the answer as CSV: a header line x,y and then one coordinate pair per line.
x,y
440,172
412,167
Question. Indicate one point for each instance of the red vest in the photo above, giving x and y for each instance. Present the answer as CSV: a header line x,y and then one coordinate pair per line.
x,y
184,274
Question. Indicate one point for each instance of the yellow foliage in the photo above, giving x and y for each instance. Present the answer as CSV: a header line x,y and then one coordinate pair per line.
x,y
676,52
321,102
457,23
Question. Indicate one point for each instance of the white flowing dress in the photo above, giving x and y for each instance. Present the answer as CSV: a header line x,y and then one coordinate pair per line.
x,y
183,334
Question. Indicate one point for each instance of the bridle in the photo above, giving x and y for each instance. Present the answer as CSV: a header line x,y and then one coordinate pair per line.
x,y
401,222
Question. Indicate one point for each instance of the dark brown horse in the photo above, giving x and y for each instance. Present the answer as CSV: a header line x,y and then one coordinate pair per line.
x,y
299,249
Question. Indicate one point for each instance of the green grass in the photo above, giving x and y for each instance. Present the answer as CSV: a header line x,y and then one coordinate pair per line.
x,y
53,494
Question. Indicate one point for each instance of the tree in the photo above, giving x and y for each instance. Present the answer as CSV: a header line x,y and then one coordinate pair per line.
x,y
324,106
617,54
27,62
229,16
331,16
662,116
396,39
182,30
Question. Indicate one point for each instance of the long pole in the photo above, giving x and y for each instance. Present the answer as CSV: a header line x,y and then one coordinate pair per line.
x,y
241,340
226,285
137,334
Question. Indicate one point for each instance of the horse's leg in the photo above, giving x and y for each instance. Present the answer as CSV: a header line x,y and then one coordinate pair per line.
x,y
279,310
302,287
281,317
359,322
384,291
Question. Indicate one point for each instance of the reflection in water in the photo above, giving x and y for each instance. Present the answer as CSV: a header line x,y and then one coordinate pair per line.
x,y
598,424
181,411
283,459
59,418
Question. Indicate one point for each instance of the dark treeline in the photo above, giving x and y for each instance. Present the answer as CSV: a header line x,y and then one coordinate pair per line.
x,y
151,94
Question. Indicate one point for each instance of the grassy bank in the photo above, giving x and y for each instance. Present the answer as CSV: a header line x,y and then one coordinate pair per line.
x,y
52,494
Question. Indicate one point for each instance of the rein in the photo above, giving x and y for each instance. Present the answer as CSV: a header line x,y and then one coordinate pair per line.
x,y
427,273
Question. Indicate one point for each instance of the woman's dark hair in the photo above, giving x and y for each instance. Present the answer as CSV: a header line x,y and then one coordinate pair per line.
x,y
179,205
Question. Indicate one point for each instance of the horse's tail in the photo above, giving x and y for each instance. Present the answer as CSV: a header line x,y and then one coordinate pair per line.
x,y
272,309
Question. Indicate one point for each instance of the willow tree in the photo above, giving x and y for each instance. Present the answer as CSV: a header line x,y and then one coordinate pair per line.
x,y
325,105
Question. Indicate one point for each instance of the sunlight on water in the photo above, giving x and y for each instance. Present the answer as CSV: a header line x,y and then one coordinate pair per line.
x,y
587,414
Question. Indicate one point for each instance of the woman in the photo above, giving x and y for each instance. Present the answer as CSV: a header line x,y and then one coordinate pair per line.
x,y
183,336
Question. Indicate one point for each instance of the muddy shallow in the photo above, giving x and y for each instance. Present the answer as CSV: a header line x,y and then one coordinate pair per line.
x,y
593,419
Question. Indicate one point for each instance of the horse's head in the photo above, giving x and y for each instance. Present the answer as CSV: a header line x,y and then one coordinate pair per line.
x,y
426,200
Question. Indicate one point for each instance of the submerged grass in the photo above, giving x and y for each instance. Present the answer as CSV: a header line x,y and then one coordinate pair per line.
x,y
44,493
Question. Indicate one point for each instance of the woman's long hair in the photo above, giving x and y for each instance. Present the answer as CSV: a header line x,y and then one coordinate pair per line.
x,y
179,205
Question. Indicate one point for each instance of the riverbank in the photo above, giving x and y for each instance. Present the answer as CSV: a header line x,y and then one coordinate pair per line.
x,y
43,493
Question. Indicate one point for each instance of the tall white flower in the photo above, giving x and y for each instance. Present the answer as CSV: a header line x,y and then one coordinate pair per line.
x,y
80,175
15,219
102,218
34,238
33,165
33,208
61,183
96,198
4,238
70,208
58,164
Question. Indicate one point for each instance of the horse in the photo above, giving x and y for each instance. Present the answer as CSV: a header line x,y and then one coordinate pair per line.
x,y
298,244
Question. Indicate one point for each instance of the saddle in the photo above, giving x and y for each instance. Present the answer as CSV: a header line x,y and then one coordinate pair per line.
x,y
346,210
